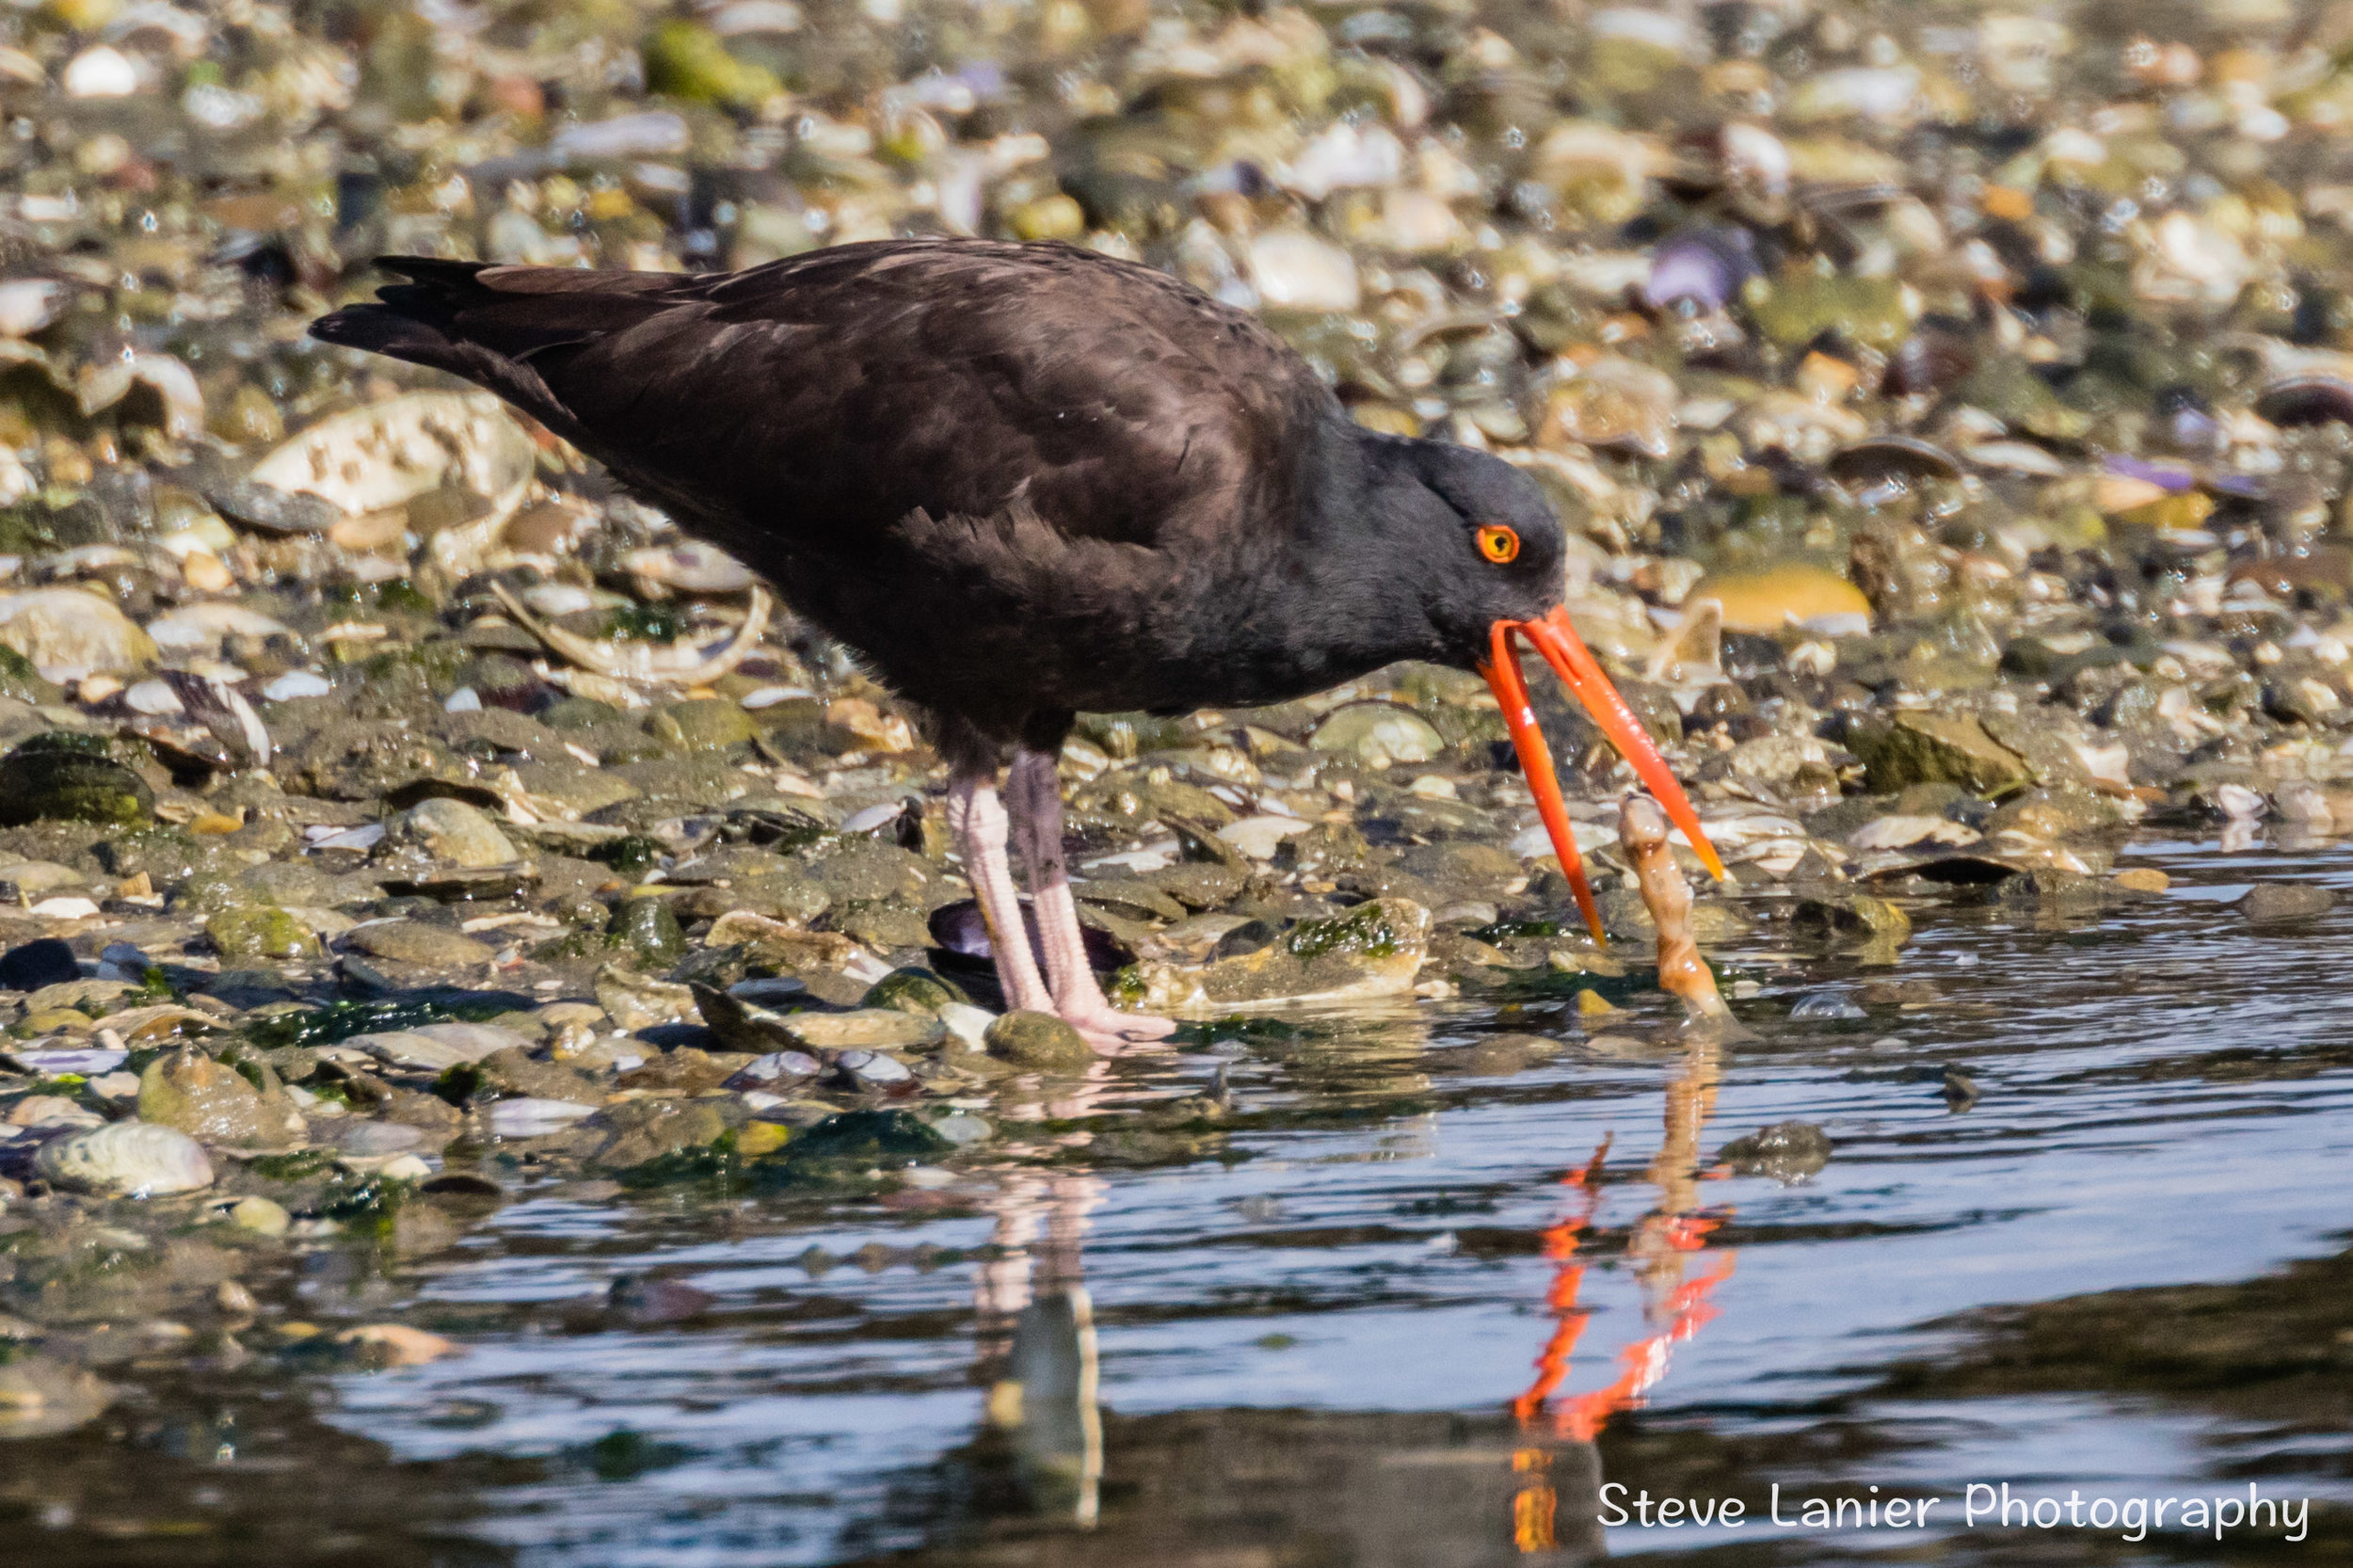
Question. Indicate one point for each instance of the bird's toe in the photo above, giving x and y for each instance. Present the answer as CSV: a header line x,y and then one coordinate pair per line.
x,y
1108,1026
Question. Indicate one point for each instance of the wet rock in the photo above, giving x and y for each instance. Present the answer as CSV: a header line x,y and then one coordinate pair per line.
x,y
636,1131
1499,1055
1624,916
884,925
1770,601
635,1001
866,1029
261,1215
648,928
256,931
873,873
393,1345
266,509
416,942
1787,1151
61,778
2055,887
454,833
1038,1040
2059,811
644,1300
911,990
33,965
682,1070
712,724
1844,917
511,1070
872,1136
49,1110
1925,747
775,1071
531,1117
1370,950
434,1047
1826,1006
1200,886
216,1103
742,1024
41,1396
2286,901
1462,870
374,1140
1378,735
68,634
1261,837
126,1159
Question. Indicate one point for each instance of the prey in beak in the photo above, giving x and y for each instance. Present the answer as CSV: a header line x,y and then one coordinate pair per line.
x,y
1565,652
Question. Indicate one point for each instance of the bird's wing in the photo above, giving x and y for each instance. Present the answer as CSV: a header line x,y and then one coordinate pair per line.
x,y
832,396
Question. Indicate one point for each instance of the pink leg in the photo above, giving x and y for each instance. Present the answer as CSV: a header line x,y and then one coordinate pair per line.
x,y
1035,797
978,820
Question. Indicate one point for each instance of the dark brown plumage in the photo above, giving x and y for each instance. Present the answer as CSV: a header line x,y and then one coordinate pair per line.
x,y
1023,482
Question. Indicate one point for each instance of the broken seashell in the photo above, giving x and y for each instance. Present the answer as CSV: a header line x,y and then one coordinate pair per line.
x,y
387,454
692,567
641,661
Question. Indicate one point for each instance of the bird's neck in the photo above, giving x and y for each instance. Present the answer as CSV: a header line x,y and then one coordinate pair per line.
x,y
1326,591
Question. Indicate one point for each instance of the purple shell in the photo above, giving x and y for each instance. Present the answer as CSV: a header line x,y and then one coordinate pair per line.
x,y
2171,477
1701,267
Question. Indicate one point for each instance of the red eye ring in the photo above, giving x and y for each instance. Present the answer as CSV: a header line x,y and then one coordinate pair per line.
x,y
1500,544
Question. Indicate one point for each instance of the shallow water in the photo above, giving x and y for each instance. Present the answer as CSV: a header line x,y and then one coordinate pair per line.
x,y
1305,1333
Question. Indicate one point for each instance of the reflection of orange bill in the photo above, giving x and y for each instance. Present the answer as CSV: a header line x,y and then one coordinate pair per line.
x,y
1557,642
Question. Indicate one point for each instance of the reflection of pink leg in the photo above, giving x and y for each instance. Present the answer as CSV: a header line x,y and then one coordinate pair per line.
x,y
978,821
1035,795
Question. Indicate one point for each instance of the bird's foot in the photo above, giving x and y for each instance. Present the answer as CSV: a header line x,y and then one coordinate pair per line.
x,y
1107,1028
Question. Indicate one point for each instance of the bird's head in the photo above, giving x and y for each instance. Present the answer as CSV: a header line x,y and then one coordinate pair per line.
x,y
1490,556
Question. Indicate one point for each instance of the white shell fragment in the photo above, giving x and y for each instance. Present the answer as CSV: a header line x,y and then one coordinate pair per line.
x,y
68,634
680,665
691,566
27,305
203,628
126,1159
102,72
387,454
109,381
534,1118
297,683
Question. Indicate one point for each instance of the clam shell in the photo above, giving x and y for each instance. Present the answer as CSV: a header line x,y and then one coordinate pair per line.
x,y
2314,399
1882,458
126,1159
387,454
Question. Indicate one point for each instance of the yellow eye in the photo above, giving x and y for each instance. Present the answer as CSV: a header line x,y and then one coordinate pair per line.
x,y
1498,544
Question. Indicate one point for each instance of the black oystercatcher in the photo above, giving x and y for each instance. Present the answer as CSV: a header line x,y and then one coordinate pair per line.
x,y
1025,481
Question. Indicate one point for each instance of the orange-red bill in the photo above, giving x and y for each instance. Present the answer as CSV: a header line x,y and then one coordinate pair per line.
x,y
1503,671
1561,647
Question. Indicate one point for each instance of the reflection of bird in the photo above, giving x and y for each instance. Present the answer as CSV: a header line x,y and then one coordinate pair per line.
x,y
1034,1313
1024,482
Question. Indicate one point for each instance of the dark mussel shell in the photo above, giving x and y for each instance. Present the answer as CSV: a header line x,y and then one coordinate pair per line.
x,y
962,938
1879,459
2317,399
